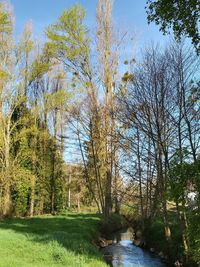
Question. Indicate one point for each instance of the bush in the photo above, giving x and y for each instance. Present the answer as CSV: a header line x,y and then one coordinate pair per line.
x,y
194,236
112,224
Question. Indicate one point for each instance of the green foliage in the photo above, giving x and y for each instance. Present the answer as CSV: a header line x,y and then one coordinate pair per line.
x,y
38,69
194,235
20,190
155,236
181,16
6,25
113,223
58,99
68,39
33,148
180,174
128,77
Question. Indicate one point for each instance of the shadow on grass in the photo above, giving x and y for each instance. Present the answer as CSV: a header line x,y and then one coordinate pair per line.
x,y
75,232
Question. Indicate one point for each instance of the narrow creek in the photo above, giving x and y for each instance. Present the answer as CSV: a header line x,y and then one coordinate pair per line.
x,y
123,253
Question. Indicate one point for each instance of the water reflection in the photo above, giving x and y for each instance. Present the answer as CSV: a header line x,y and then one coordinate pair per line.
x,y
124,254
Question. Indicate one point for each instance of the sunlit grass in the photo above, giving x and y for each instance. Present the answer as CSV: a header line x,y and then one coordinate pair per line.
x,y
50,241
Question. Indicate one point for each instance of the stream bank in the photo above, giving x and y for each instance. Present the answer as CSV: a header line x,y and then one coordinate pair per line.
x,y
122,252
150,236
120,247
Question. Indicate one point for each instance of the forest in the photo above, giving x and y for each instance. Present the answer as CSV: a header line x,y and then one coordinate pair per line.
x,y
84,128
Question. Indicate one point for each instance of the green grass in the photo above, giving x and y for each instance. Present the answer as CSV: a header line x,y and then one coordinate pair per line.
x,y
50,241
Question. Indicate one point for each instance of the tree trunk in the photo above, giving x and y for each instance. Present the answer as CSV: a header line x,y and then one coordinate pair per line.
x,y
7,201
183,225
32,198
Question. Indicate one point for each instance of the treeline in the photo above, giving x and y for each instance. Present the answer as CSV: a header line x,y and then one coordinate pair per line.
x,y
64,85
33,97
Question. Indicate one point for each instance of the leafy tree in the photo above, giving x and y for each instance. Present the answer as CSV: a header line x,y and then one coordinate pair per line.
x,y
180,15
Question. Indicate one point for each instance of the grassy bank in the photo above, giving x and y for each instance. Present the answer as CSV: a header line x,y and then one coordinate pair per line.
x,y
50,241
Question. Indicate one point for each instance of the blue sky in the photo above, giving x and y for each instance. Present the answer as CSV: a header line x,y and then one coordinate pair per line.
x,y
128,15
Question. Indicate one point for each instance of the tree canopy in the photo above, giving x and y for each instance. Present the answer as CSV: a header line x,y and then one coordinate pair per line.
x,y
183,16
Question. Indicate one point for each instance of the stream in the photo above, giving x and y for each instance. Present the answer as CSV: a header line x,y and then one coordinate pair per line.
x,y
123,253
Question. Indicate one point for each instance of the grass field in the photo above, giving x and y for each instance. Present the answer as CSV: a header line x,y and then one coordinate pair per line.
x,y
50,241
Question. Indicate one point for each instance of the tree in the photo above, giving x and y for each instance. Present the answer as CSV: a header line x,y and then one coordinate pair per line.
x,y
181,16
7,101
31,156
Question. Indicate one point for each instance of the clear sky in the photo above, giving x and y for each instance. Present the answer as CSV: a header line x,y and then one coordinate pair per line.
x,y
128,15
